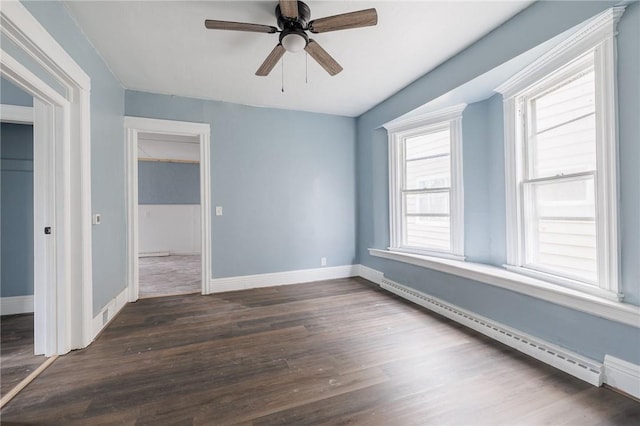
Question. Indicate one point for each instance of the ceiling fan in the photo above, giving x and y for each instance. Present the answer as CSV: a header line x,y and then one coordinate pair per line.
x,y
293,22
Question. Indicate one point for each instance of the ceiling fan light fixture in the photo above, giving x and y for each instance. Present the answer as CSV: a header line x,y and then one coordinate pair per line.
x,y
294,42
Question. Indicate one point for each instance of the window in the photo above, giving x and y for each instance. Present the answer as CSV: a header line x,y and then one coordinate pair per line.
x,y
561,172
426,184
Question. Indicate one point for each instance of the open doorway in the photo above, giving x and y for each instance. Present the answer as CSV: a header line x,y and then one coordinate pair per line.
x,y
152,217
169,230
62,275
18,356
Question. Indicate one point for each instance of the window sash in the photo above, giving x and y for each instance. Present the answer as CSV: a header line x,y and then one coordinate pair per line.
x,y
429,244
531,235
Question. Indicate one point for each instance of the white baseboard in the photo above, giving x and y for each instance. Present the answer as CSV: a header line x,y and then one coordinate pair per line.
x,y
154,254
16,305
622,375
283,278
570,362
370,274
109,312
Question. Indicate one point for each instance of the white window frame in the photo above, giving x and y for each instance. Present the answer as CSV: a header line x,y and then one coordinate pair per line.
x,y
597,35
399,131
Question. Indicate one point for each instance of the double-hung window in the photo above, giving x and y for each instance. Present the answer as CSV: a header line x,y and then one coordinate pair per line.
x,y
426,184
561,184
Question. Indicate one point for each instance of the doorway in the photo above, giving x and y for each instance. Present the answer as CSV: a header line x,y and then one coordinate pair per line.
x,y
18,356
168,215
150,233
62,297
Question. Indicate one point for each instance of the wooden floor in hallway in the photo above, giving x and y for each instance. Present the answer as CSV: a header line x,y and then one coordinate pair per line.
x,y
17,360
331,352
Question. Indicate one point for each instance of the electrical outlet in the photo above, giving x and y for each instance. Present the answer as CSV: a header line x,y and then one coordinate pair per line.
x,y
323,261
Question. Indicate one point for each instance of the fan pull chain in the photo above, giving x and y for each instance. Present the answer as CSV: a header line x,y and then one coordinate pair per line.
x,y
306,68
282,61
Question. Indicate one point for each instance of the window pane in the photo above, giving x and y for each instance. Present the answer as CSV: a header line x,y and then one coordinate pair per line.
x,y
428,232
428,173
433,203
574,99
570,148
427,145
562,236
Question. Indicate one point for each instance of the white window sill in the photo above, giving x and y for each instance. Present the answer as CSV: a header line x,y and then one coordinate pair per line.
x,y
499,277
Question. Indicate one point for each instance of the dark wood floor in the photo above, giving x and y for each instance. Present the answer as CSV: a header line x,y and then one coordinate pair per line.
x,y
17,360
333,352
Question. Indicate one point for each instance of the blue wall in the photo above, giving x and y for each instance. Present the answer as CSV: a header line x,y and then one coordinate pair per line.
x,y
12,95
284,178
16,190
168,183
483,160
107,150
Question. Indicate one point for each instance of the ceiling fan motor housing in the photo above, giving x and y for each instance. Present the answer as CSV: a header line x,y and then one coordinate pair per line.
x,y
304,13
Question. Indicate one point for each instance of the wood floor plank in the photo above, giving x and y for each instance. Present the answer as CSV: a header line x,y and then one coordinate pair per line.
x,y
333,352
17,359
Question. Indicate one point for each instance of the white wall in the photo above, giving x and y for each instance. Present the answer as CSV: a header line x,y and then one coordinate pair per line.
x,y
169,228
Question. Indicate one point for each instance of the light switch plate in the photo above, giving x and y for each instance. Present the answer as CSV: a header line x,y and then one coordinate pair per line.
x,y
218,210
96,219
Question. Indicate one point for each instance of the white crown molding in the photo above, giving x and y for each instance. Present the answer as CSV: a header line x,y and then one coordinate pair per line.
x,y
16,114
563,359
615,311
16,305
425,120
282,278
622,375
594,30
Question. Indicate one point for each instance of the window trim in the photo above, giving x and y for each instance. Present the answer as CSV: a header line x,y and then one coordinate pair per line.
x,y
398,130
597,35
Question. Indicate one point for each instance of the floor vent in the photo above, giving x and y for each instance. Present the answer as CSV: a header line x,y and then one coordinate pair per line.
x,y
565,360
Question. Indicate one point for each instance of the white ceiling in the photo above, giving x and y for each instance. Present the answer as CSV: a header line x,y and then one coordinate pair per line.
x,y
163,47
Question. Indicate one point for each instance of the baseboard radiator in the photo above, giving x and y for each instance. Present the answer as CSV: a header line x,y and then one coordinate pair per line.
x,y
583,368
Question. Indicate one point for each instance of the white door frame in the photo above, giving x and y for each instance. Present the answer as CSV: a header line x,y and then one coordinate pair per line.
x,y
134,126
63,303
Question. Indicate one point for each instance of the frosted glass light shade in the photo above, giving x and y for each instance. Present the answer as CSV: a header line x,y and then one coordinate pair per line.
x,y
293,42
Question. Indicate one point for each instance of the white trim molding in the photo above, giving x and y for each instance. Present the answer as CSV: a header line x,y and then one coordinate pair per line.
x,y
245,282
370,274
615,311
622,375
398,131
63,285
16,114
133,127
109,312
16,305
592,32
563,359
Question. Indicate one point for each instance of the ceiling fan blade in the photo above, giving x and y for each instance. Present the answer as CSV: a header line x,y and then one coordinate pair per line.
x,y
323,58
289,9
271,61
239,26
345,21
